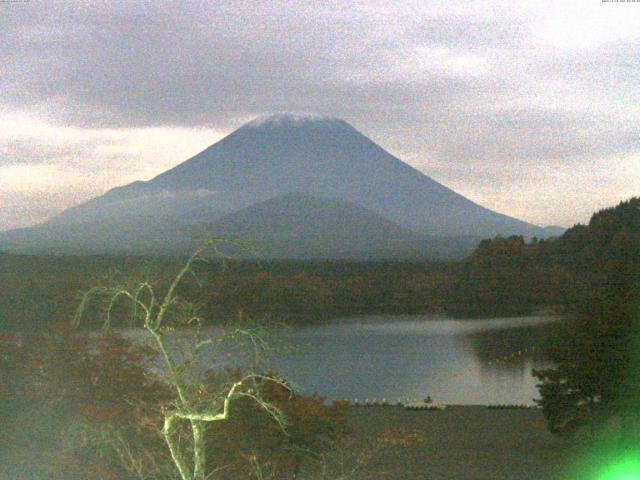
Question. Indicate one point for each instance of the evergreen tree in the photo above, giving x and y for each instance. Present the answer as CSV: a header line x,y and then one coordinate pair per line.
x,y
597,357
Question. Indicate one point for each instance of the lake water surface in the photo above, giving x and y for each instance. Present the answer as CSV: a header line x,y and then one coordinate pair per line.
x,y
409,357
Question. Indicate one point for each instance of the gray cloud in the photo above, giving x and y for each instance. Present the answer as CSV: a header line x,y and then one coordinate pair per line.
x,y
533,136
191,63
465,83
472,33
27,151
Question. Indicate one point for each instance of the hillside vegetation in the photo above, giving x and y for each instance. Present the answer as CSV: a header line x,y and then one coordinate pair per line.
x,y
508,275
503,276
45,289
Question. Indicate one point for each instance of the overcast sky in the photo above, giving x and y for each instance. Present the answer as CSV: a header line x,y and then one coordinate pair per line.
x,y
531,108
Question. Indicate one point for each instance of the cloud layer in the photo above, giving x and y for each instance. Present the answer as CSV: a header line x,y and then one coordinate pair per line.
x,y
530,108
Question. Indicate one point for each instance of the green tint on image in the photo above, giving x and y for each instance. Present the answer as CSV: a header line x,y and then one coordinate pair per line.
x,y
627,468
606,459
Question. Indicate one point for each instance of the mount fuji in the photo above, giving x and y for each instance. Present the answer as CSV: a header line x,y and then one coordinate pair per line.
x,y
285,173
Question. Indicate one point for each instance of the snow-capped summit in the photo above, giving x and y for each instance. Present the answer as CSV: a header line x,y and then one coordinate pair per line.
x,y
276,155
280,119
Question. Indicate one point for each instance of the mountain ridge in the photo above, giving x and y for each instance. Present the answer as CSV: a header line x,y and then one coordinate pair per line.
x,y
287,153
299,225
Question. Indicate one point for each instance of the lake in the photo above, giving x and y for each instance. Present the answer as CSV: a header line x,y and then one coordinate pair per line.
x,y
410,357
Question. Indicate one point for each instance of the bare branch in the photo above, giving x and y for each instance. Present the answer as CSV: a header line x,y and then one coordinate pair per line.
x,y
176,455
189,460
169,298
270,408
117,293
84,302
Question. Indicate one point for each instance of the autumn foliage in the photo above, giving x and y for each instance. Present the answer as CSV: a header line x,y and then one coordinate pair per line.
x,y
251,445
72,404
82,407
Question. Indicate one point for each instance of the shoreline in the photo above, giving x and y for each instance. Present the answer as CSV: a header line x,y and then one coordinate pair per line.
x,y
464,442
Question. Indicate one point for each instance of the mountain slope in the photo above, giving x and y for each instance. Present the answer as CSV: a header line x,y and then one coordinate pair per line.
x,y
303,226
295,226
267,158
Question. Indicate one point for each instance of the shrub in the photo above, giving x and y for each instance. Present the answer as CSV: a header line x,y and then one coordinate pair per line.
x,y
77,406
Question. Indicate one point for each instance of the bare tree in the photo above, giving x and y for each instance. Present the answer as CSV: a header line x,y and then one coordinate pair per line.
x,y
194,407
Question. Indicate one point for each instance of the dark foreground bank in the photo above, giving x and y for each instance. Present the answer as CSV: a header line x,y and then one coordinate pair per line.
x,y
464,443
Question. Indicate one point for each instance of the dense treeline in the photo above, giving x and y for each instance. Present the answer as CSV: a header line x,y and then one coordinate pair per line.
x,y
510,276
504,276
44,289
319,290
36,290
596,374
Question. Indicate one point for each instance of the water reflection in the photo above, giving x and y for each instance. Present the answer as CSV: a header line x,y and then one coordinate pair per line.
x,y
412,357
462,362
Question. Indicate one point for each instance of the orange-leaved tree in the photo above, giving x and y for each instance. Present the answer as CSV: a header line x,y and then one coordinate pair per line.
x,y
76,406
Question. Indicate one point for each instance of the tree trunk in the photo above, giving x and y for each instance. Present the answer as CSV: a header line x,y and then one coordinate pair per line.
x,y
199,450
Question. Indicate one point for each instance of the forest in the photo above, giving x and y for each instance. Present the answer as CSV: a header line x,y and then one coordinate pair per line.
x,y
508,275
503,277
44,289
